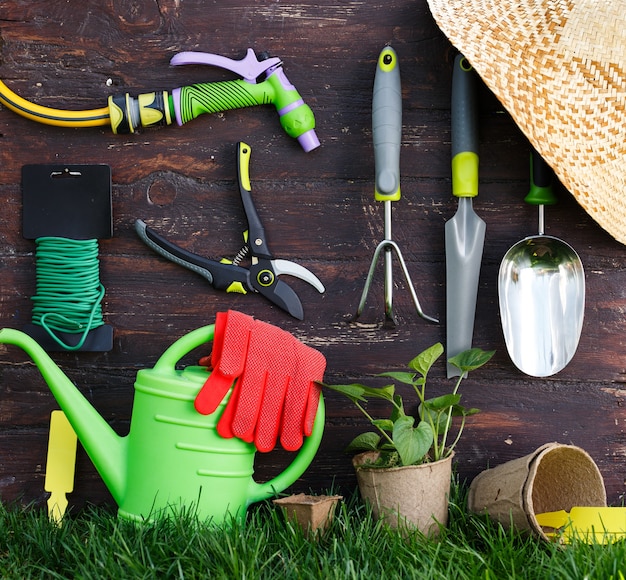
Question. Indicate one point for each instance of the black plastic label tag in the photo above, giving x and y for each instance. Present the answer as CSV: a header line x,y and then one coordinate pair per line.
x,y
67,201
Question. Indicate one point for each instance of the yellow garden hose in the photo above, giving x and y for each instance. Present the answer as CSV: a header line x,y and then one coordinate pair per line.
x,y
49,116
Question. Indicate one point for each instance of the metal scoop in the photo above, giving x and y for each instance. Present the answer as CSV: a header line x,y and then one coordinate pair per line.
x,y
541,287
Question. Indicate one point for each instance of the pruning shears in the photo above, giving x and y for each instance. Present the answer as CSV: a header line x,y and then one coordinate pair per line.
x,y
262,82
261,276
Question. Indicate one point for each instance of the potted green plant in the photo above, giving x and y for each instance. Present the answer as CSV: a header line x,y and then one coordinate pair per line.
x,y
404,467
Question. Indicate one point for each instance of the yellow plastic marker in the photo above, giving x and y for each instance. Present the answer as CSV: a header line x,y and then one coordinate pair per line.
x,y
595,525
60,465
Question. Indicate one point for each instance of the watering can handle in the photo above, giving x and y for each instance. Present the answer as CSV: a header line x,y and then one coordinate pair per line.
x,y
183,346
304,457
306,454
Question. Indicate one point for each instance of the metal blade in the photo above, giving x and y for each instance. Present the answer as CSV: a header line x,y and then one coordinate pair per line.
x,y
284,297
465,239
290,268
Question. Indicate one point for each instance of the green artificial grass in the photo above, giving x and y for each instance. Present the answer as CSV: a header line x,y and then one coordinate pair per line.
x,y
95,544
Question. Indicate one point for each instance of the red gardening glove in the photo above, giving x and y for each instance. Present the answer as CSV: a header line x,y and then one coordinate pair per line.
x,y
302,398
275,391
271,362
230,346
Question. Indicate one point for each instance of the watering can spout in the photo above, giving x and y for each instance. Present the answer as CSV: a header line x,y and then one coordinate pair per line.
x,y
105,448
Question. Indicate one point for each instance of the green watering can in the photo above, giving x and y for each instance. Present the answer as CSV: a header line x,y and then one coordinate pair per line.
x,y
172,459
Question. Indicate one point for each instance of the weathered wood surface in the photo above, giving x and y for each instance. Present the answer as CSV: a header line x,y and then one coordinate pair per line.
x,y
318,210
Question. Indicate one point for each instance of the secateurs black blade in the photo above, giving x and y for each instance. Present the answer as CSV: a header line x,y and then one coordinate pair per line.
x,y
261,275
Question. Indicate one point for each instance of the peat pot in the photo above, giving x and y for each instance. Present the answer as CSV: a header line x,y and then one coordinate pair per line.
x,y
313,513
552,478
412,496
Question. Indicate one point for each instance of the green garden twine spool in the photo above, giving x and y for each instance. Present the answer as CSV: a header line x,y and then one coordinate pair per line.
x,y
67,209
69,293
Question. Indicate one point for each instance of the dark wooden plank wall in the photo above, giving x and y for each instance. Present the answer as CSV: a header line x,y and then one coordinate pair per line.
x,y
318,209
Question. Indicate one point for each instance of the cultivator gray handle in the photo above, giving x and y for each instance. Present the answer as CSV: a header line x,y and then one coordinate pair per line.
x,y
387,126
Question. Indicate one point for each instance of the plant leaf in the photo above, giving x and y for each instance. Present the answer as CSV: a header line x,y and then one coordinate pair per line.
x,y
358,392
384,424
400,376
354,391
443,402
364,442
425,360
437,419
412,443
471,359
458,411
387,392
398,408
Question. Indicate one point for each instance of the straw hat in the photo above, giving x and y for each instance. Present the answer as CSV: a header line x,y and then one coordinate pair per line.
x,y
559,68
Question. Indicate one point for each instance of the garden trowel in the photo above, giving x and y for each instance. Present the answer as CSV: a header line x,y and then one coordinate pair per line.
x,y
465,232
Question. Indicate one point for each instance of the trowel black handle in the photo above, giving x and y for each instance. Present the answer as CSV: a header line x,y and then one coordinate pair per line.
x,y
464,129
464,107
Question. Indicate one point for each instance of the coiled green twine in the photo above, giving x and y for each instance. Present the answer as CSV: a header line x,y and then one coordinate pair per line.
x,y
69,293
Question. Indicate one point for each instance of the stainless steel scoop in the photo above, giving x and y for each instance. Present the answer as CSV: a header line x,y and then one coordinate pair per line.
x,y
541,287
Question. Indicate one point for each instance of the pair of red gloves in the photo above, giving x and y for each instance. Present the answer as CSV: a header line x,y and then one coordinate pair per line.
x,y
274,395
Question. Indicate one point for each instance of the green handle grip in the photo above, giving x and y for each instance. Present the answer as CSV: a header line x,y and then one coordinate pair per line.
x,y
198,99
296,117
541,178
387,126
464,129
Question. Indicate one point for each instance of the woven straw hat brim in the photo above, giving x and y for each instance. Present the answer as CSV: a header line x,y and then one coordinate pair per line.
x,y
559,69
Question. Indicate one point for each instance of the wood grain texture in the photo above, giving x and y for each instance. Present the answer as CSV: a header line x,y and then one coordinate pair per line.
x,y
318,210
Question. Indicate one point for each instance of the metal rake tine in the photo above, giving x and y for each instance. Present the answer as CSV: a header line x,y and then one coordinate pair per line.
x,y
389,245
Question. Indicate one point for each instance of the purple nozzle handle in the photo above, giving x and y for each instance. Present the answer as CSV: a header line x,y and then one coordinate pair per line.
x,y
309,141
248,68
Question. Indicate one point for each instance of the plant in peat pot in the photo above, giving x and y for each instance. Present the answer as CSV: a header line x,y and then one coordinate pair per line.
x,y
404,447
